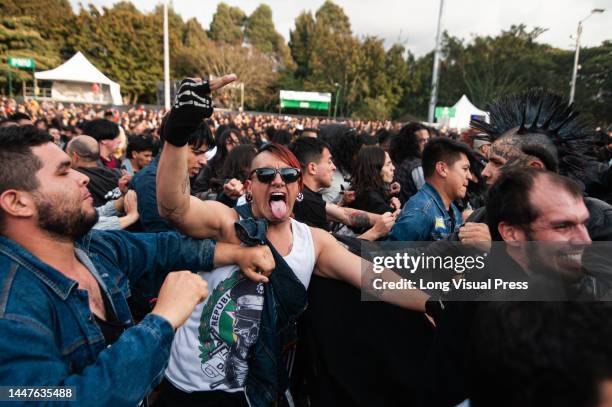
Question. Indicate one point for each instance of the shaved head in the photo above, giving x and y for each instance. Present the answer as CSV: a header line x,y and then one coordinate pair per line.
x,y
85,147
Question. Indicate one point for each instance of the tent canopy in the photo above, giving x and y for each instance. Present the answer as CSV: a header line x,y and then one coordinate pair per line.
x,y
464,110
79,69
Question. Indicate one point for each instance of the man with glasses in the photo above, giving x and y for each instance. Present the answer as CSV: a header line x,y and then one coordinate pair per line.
x,y
207,359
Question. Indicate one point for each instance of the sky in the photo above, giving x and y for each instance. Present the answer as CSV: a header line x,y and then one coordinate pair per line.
x,y
413,22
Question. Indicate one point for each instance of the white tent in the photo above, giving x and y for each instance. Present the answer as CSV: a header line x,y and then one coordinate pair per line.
x,y
464,111
77,80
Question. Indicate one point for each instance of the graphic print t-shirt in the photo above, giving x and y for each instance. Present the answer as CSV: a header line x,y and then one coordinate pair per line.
x,y
211,350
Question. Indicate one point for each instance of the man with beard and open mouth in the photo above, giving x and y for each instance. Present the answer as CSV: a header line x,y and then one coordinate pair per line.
x,y
201,349
64,315
545,250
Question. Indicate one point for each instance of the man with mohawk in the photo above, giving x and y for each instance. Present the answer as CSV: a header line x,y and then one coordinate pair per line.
x,y
534,136
538,129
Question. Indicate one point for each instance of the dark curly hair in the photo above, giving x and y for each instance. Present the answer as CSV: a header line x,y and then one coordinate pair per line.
x,y
238,162
405,144
344,142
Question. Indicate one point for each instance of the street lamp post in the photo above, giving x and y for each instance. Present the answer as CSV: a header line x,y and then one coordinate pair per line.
x,y
577,54
435,80
166,59
337,85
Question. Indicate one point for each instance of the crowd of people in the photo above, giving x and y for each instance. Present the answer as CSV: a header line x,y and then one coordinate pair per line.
x,y
267,216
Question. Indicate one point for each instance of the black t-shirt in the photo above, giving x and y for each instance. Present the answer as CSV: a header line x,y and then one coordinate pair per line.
x,y
112,328
102,183
311,210
371,201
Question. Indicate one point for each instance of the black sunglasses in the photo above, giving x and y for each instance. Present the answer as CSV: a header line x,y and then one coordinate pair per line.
x,y
267,175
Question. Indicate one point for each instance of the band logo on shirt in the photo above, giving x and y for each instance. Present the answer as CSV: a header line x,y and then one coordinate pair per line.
x,y
229,327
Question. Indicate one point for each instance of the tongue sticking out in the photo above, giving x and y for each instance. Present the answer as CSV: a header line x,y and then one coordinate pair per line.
x,y
279,208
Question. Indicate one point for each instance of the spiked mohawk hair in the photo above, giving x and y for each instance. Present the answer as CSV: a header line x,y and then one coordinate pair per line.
x,y
538,113
535,111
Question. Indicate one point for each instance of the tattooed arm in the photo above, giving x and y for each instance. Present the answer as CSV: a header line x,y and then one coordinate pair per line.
x,y
350,217
193,217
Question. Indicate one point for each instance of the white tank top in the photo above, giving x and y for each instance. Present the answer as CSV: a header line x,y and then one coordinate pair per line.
x,y
209,351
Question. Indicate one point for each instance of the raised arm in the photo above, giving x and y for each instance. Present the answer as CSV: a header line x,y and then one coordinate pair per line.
x,y
193,217
190,215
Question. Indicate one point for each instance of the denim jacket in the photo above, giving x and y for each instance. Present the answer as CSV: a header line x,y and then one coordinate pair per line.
x,y
424,218
285,299
49,336
144,185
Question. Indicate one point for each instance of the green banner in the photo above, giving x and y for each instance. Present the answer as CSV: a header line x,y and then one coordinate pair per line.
x,y
303,104
25,63
442,111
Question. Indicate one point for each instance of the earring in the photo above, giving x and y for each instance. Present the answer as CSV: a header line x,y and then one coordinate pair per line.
x,y
299,197
248,197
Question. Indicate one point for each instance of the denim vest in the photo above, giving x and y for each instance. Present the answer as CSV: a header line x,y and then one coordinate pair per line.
x,y
425,218
49,336
285,299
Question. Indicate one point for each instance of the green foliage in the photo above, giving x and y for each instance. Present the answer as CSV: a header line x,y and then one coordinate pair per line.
x,y
227,24
260,33
488,67
322,55
594,83
335,57
300,43
193,34
19,37
332,17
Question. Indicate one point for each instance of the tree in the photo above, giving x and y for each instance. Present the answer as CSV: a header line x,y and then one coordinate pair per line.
x,y
253,68
300,43
19,37
397,70
335,58
52,18
260,33
227,24
594,83
495,66
126,45
193,34
332,17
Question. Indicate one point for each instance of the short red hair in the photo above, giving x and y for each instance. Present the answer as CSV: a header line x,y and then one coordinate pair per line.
x,y
284,154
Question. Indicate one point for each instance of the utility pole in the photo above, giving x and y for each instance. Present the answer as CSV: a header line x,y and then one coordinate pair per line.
x,y
577,54
435,80
336,101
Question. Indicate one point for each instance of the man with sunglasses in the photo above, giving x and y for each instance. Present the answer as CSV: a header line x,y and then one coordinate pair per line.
x,y
209,359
